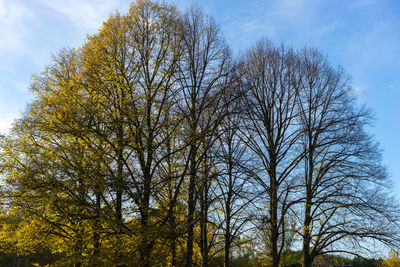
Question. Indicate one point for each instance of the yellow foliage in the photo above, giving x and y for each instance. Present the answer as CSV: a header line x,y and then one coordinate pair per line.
x,y
392,261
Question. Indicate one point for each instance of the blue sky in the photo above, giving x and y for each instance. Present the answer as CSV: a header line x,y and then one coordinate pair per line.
x,y
361,35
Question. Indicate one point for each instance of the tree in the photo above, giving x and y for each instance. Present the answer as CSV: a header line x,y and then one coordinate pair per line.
x,y
111,98
343,175
392,261
150,146
234,186
51,174
269,115
201,75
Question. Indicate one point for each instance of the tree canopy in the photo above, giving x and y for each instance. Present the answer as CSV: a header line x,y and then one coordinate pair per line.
x,y
152,145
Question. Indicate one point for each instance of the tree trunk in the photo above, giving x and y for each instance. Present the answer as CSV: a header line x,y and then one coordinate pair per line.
x,y
274,219
307,260
203,229
227,248
173,253
118,197
96,227
191,209
228,234
146,246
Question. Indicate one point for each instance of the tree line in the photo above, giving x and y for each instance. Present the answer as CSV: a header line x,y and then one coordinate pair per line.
x,y
151,145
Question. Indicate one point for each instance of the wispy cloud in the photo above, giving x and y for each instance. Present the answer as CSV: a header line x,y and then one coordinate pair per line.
x,y
6,122
326,29
364,3
249,28
279,20
357,90
87,15
298,11
13,28
8,115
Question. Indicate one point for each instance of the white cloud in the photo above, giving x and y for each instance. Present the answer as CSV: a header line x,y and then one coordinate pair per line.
x,y
8,115
295,11
13,28
326,29
87,14
6,122
248,28
21,87
271,18
364,3
358,90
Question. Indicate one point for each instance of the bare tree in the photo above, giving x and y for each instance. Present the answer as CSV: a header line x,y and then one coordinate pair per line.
x,y
236,192
343,176
202,69
269,116
206,195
